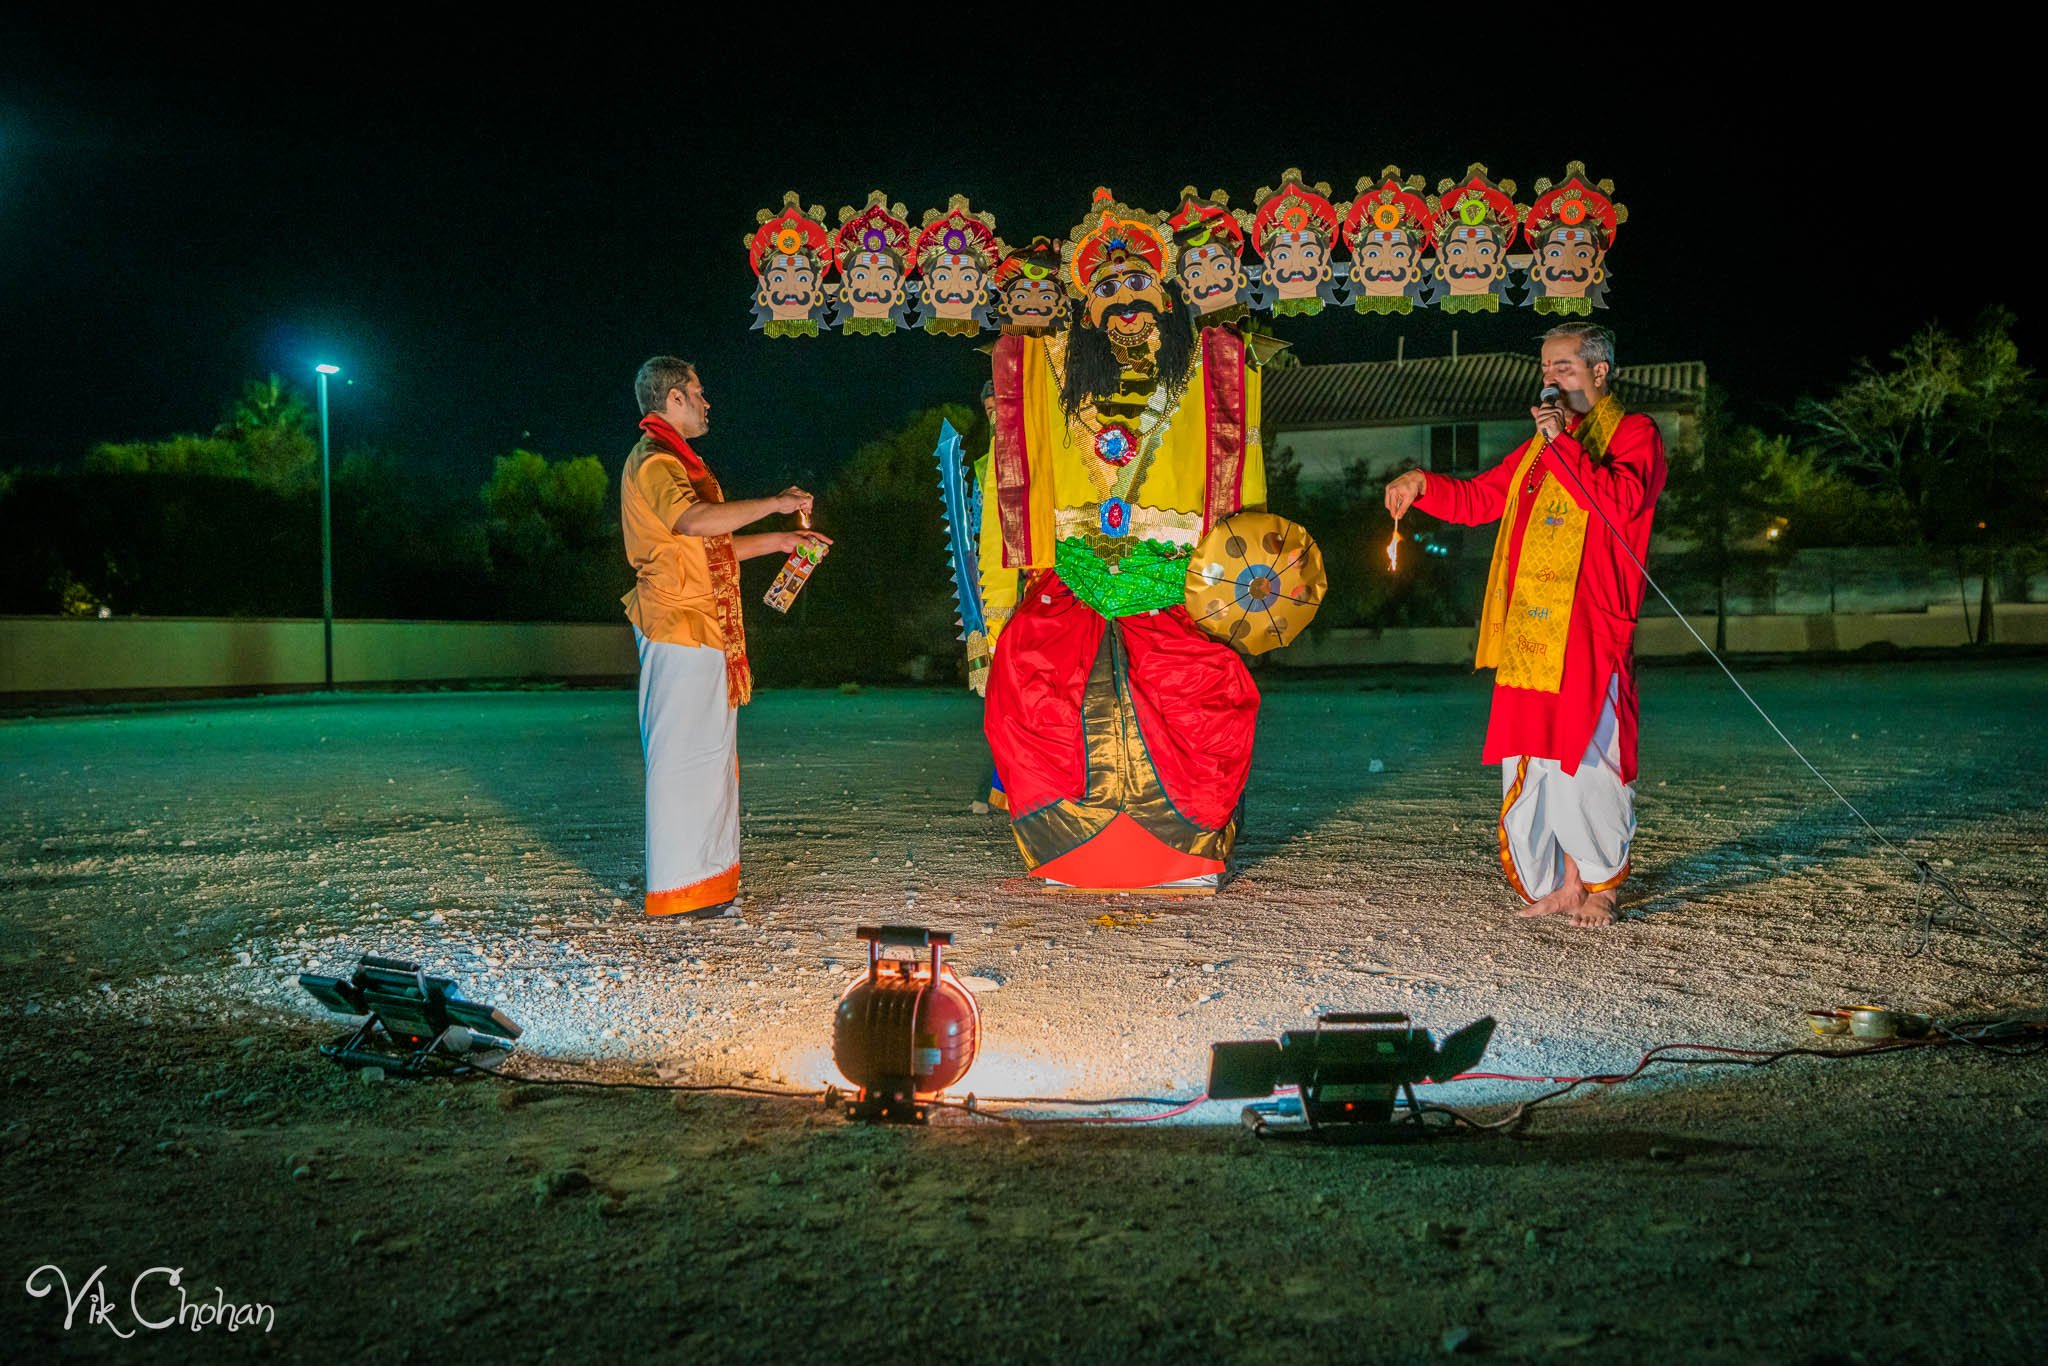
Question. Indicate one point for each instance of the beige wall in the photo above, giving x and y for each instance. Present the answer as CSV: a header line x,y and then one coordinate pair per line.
x,y
58,654
65,655
1665,637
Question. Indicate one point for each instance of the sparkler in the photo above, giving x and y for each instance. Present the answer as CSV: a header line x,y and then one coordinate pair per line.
x,y
1394,549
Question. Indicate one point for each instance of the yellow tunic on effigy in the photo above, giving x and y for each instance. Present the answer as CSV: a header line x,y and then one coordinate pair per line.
x,y
1068,484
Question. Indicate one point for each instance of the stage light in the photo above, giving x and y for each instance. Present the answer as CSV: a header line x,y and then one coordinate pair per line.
x,y
328,369
1347,1076
904,1030
416,1025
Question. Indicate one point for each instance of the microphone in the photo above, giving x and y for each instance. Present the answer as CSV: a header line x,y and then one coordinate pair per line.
x,y
1551,393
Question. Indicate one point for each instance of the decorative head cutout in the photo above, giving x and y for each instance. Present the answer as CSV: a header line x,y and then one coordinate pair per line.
x,y
1474,226
1295,230
1210,237
956,256
1570,228
790,253
1117,261
872,248
1386,230
1028,294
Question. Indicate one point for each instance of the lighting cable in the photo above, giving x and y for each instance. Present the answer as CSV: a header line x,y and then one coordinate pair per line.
x,y
1982,1036
2030,947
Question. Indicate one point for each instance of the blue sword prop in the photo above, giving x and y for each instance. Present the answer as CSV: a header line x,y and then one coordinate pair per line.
x,y
963,528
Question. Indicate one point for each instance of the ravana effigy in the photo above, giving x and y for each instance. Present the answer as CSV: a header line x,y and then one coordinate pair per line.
x,y
1113,552
1392,248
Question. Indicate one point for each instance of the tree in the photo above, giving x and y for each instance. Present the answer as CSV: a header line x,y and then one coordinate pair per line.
x,y
1954,429
882,604
552,533
1719,502
267,404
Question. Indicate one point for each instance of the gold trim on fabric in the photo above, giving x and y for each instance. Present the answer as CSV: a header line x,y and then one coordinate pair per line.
x,y
1507,856
1611,883
1146,524
1120,778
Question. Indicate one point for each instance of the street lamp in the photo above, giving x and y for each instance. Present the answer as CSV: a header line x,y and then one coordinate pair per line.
x,y
326,530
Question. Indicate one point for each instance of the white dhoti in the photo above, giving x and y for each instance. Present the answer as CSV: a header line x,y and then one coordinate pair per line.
x,y
690,738
1546,813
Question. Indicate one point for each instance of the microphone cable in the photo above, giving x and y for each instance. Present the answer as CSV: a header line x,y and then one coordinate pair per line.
x,y
2030,947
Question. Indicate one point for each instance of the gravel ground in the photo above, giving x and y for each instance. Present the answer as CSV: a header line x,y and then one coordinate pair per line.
x,y
169,870
163,857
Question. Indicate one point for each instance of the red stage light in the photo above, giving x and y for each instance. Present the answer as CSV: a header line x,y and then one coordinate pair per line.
x,y
905,1030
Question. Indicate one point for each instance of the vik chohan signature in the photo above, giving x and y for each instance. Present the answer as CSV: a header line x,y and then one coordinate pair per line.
x,y
148,1293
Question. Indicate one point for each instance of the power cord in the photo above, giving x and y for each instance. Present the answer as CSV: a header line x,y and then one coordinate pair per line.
x,y
1966,910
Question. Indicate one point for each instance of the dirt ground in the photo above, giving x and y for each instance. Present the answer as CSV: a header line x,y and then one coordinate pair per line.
x,y
167,871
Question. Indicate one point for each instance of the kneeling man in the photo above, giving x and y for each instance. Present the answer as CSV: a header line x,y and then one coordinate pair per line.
x,y
1557,625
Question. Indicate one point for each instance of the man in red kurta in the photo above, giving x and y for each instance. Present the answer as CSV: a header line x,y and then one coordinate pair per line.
x,y
1575,503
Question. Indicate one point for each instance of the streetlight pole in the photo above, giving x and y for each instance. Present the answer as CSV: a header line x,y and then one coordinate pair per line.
x,y
326,530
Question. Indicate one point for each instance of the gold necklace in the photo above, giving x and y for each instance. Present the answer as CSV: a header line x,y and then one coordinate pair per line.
x,y
1122,447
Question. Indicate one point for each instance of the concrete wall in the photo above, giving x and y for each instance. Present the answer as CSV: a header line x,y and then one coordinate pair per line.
x,y
60,654
1666,637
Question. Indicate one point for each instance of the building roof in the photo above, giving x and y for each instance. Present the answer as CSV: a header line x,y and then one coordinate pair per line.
x,y
1488,387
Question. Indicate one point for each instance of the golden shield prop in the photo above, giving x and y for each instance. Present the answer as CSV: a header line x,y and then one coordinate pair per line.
x,y
1255,581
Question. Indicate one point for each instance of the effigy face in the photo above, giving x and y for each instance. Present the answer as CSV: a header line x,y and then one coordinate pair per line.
x,y
1473,225
1571,226
956,256
1385,230
954,286
1125,302
873,245
1384,264
871,284
791,252
792,288
1568,263
1025,302
1297,264
1212,277
1212,274
1470,260
1295,228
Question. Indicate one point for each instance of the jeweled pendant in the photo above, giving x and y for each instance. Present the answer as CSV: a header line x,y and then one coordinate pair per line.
x,y
1116,444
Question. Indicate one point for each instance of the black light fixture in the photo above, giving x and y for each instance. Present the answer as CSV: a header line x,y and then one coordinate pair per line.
x,y
1347,1075
416,1025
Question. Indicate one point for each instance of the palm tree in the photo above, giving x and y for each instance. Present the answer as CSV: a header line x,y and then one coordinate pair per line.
x,y
267,405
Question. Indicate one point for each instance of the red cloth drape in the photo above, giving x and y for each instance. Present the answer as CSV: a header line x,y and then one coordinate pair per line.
x,y
1195,703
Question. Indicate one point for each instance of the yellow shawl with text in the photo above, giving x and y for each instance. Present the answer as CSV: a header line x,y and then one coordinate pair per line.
x,y
1522,633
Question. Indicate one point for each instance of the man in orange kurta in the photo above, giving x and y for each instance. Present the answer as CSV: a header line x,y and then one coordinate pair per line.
x,y
685,610
1575,504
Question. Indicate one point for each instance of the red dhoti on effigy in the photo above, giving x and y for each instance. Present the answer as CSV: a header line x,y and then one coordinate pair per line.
x,y
1124,743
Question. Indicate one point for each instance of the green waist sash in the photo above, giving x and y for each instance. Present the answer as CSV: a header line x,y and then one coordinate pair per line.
x,y
1119,577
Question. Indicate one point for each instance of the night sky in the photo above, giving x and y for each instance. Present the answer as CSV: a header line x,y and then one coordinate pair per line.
x,y
489,225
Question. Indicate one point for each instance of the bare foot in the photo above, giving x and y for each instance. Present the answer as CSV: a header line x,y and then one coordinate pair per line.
x,y
1596,910
1566,900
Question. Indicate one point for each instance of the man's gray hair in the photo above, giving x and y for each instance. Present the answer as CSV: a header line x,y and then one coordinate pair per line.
x,y
1596,343
659,375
